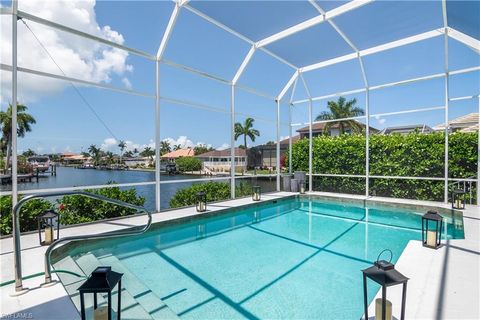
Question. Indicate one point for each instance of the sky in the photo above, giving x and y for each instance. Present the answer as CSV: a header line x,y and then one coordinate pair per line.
x,y
68,122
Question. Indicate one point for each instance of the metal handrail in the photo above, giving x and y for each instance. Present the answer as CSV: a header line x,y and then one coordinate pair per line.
x,y
48,275
465,181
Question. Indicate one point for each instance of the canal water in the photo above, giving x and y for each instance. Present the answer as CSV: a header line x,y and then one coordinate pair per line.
x,y
72,177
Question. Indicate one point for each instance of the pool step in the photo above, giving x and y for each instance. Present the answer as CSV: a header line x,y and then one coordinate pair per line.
x,y
141,293
70,282
131,309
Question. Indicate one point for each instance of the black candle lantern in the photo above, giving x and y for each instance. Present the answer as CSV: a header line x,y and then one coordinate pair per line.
x,y
301,187
256,192
432,225
46,224
201,202
384,273
102,280
458,199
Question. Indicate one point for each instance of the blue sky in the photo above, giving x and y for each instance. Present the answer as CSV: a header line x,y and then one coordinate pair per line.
x,y
65,123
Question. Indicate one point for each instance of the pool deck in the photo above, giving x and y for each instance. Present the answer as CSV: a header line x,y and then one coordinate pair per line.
x,y
444,283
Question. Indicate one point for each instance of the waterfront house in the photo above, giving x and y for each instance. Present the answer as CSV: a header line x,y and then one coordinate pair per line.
x,y
69,158
174,155
137,162
220,160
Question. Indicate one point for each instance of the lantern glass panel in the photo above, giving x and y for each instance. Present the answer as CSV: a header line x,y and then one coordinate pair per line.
x,y
301,187
432,224
256,193
201,202
46,225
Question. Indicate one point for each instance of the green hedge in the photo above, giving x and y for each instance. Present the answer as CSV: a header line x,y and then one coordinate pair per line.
x,y
80,209
76,209
28,214
185,164
215,191
414,154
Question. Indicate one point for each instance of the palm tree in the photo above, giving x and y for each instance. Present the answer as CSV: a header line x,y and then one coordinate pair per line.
x,y
177,147
148,152
24,122
122,145
95,152
339,110
246,130
165,147
110,157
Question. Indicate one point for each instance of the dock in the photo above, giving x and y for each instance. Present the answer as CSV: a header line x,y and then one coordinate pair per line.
x,y
27,177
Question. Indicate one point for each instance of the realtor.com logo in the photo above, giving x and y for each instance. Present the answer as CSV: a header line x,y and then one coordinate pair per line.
x,y
17,315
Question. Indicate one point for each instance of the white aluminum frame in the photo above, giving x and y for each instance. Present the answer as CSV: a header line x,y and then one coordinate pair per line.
x,y
447,31
233,84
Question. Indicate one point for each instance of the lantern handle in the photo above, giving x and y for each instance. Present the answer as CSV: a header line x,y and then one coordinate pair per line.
x,y
385,250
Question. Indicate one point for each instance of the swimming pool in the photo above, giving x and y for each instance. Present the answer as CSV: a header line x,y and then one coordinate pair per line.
x,y
296,258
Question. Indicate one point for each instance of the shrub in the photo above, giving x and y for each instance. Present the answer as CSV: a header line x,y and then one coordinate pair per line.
x,y
215,191
28,214
76,209
80,209
188,164
413,155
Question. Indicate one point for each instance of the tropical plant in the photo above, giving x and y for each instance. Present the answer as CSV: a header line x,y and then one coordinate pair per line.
x,y
201,148
75,209
109,157
28,214
148,152
215,191
410,155
24,125
29,153
165,147
246,130
80,209
128,154
122,145
95,153
341,109
177,147
185,164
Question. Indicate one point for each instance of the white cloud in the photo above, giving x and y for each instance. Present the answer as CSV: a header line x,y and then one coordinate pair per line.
x,y
78,57
183,141
109,144
224,146
126,83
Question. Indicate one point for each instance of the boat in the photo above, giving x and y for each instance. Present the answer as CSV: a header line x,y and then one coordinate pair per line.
x,y
86,165
39,163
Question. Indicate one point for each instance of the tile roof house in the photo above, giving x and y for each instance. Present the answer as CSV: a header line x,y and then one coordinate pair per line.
x,y
188,152
334,130
421,128
466,123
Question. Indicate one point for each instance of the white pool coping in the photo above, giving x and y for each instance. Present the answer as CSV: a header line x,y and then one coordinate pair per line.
x,y
430,283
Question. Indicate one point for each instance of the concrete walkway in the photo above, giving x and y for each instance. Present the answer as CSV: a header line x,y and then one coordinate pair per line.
x,y
444,283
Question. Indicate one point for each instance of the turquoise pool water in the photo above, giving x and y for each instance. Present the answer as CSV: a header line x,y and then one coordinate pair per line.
x,y
295,259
